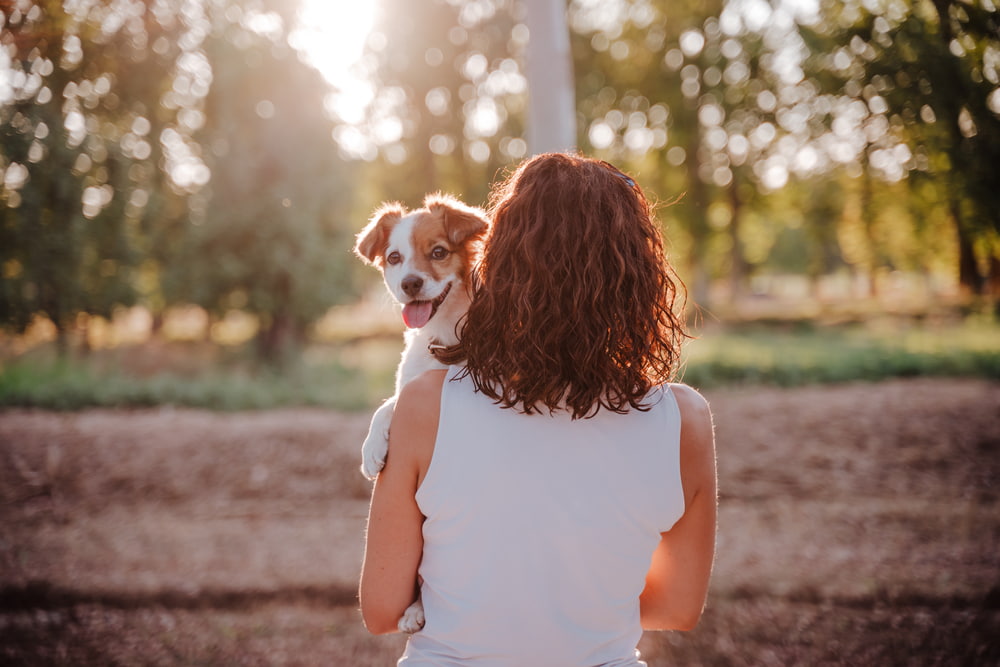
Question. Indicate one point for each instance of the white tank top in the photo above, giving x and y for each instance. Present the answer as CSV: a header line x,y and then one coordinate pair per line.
x,y
539,531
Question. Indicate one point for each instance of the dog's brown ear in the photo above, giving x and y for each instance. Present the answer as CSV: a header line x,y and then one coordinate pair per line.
x,y
374,238
461,221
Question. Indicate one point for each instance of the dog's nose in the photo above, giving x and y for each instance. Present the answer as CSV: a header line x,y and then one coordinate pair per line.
x,y
412,285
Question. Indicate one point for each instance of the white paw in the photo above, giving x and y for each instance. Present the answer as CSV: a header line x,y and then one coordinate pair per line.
x,y
373,453
413,618
376,445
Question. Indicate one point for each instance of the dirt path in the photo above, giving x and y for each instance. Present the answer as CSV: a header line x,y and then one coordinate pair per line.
x,y
859,524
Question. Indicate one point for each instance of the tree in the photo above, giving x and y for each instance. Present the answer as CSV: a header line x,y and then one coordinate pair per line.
x,y
270,232
450,108
171,154
76,158
669,89
926,79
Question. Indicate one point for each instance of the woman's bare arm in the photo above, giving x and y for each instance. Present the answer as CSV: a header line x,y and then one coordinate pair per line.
x,y
394,543
677,582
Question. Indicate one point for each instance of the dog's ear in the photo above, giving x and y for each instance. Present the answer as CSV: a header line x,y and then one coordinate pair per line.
x,y
374,238
461,221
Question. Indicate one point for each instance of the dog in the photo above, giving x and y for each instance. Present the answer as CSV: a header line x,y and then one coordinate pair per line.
x,y
426,258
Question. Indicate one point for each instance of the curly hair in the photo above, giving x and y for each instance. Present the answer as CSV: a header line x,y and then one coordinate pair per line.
x,y
573,298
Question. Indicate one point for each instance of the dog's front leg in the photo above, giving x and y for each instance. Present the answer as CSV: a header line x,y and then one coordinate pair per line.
x,y
376,445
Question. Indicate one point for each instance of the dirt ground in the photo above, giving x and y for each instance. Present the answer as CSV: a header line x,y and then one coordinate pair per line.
x,y
859,525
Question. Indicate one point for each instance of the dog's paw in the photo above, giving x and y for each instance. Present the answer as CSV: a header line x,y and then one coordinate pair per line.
x,y
373,453
413,618
376,445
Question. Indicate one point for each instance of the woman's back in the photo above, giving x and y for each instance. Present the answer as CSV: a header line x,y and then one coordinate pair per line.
x,y
539,530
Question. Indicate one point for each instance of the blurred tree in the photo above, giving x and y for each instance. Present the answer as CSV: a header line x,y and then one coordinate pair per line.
x,y
821,206
690,94
921,84
170,152
76,157
666,89
449,112
270,232
721,105
640,94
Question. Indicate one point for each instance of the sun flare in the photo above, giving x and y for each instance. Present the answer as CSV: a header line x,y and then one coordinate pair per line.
x,y
332,35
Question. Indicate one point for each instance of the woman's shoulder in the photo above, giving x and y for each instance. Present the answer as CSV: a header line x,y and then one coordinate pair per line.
x,y
696,415
690,401
427,385
697,440
420,398
415,421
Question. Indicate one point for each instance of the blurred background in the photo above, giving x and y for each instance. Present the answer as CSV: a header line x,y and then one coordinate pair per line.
x,y
182,180
189,350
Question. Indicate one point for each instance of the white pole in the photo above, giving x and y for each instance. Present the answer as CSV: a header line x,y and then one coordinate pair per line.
x,y
551,125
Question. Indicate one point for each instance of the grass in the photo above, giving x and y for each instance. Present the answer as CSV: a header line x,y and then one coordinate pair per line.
x,y
804,354
74,385
225,379
359,374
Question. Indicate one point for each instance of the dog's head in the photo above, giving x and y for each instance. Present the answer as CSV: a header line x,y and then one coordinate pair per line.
x,y
425,255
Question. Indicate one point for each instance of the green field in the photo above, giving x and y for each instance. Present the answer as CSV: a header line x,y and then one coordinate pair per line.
x,y
804,354
357,374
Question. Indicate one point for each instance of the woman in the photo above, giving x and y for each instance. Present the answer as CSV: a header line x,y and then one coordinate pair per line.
x,y
550,494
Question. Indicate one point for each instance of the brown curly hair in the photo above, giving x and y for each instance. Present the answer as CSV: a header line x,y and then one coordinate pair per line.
x,y
573,299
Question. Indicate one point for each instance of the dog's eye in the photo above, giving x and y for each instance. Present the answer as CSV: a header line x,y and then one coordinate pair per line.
x,y
439,252
393,258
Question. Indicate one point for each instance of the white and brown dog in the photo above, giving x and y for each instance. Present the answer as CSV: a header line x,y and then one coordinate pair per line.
x,y
425,257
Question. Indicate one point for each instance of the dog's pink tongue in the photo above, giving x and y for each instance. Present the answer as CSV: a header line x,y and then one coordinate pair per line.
x,y
417,314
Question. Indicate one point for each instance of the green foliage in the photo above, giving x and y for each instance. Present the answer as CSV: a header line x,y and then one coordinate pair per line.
x,y
657,91
169,155
433,68
923,75
68,242
274,236
176,153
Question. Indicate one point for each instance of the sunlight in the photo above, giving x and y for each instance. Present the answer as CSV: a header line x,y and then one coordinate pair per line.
x,y
331,34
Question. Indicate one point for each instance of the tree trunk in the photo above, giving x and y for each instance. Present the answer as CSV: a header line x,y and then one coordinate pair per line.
x,y
62,339
970,281
738,267
697,200
868,223
993,279
156,323
276,341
